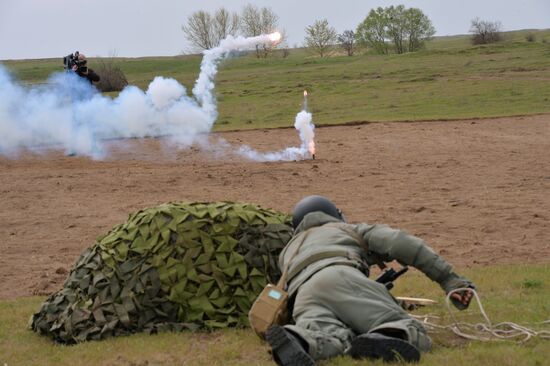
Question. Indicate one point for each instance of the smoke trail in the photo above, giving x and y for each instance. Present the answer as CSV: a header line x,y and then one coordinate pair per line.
x,y
68,113
305,127
204,85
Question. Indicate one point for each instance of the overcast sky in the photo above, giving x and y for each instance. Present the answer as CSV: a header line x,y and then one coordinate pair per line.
x,y
54,28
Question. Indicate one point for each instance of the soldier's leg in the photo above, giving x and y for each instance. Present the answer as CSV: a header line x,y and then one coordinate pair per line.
x,y
373,309
287,348
315,321
340,302
413,331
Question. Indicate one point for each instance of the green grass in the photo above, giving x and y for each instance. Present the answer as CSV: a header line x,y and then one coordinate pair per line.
x,y
518,293
450,79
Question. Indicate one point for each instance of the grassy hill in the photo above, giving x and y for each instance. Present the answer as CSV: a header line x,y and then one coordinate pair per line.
x,y
450,79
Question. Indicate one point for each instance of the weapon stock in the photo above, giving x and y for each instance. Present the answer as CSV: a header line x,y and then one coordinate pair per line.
x,y
389,275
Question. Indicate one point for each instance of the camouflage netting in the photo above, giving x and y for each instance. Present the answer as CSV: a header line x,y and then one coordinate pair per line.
x,y
172,267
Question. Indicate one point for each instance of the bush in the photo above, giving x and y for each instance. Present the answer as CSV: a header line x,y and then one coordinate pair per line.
x,y
404,29
484,31
530,37
111,76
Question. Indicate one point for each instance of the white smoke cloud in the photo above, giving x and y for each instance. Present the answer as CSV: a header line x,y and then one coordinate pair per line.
x,y
68,113
164,92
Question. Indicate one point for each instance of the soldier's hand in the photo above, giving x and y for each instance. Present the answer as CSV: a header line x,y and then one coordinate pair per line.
x,y
460,299
463,297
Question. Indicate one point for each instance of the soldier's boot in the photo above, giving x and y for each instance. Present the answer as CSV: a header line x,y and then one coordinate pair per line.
x,y
378,346
287,349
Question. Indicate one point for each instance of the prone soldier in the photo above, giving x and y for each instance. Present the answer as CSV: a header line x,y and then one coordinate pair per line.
x,y
336,309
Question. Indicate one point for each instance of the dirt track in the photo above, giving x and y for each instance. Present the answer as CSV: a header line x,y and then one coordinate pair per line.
x,y
477,191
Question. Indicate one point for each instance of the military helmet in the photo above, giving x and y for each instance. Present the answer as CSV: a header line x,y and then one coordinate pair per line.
x,y
314,203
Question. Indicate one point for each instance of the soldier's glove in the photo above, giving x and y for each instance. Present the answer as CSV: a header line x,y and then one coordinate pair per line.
x,y
453,282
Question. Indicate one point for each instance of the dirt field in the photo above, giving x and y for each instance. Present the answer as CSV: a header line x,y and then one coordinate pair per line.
x,y
477,191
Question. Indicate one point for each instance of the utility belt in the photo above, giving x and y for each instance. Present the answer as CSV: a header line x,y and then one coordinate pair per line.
x,y
351,259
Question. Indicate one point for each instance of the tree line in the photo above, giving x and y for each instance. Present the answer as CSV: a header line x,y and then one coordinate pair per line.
x,y
204,30
393,29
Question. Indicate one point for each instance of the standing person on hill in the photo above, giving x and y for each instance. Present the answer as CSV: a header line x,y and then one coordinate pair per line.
x,y
78,64
335,307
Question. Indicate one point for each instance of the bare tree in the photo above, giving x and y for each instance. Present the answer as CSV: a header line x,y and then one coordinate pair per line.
x,y
205,31
320,37
269,25
250,24
484,31
199,30
225,24
255,21
347,41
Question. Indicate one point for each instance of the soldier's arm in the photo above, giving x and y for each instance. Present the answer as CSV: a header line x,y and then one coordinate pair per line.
x,y
391,244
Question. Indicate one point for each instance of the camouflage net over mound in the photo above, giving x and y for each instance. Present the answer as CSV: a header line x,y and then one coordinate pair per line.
x,y
171,267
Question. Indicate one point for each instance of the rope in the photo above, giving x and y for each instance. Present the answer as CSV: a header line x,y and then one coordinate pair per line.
x,y
486,330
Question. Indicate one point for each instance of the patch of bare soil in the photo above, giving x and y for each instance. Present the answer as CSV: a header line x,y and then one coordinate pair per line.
x,y
477,191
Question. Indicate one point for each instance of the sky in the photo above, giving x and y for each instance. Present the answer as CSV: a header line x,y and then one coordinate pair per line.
x,y
133,28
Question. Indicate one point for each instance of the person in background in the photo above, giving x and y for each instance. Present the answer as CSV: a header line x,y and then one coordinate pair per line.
x,y
78,63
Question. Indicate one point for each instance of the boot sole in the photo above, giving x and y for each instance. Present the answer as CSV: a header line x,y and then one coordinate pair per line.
x,y
285,350
385,348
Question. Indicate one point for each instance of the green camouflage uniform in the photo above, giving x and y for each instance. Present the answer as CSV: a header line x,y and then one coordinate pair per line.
x,y
334,301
